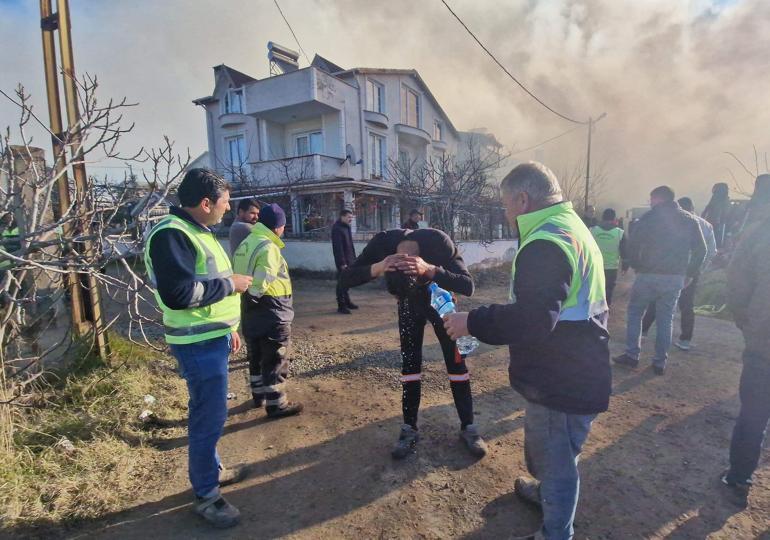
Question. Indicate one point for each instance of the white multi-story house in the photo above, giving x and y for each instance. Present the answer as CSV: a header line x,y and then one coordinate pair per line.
x,y
321,138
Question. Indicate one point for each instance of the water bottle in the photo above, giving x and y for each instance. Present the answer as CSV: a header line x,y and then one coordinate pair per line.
x,y
441,301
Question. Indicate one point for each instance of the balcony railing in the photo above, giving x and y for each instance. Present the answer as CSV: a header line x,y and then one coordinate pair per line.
x,y
298,170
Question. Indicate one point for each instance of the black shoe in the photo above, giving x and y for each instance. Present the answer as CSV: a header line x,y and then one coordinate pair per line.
x,y
344,310
626,360
737,492
407,440
351,305
273,411
259,400
659,370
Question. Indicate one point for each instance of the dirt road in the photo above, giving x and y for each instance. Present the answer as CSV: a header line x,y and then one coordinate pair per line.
x,y
649,470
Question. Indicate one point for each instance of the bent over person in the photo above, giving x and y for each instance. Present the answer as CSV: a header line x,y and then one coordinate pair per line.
x,y
267,312
555,327
410,261
198,294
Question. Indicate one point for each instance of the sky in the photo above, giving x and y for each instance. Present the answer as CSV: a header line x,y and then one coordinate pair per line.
x,y
682,82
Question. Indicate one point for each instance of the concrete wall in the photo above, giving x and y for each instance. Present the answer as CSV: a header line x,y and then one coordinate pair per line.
x,y
318,257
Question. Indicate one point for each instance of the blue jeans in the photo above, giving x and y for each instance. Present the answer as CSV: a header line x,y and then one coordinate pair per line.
x,y
552,444
204,366
663,290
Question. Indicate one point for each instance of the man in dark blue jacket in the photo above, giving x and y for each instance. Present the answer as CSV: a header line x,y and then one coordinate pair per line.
x,y
344,255
556,330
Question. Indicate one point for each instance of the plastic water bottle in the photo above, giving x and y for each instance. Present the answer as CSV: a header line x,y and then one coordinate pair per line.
x,y
441,300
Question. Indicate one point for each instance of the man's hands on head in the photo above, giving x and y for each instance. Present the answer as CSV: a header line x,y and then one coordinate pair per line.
x,y
241,283
387,264
416,266
456,325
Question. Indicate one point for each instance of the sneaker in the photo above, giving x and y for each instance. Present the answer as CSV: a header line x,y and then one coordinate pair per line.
x,y
344,310
683,344
290,409
217,511
407,440
659,370
351,305
473,441
232,475
528,489
626,360
737,492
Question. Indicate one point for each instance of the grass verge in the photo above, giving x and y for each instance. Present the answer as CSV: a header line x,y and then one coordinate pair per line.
x,y
82,451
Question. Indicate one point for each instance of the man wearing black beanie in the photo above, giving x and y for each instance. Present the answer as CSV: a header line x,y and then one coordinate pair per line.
x,y
267,311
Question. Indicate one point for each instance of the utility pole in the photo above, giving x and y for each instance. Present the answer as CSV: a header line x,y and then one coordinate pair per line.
x,y
591,123
84,288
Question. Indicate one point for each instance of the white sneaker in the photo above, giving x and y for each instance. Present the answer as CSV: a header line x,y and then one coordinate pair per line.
x,y
683,344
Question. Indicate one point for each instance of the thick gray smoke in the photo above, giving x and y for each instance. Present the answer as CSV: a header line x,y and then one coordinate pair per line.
x,y
681,82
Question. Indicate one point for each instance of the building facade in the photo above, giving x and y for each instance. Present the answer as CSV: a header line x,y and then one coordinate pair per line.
x,y
324,138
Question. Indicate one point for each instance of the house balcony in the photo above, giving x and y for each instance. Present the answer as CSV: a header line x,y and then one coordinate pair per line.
x,y
413,135
295,96
296,171
440,145
231,119
376,118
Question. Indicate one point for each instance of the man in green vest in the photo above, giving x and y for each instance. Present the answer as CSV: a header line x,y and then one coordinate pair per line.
x,y
199,296
9,236
267,311
611,241
556,329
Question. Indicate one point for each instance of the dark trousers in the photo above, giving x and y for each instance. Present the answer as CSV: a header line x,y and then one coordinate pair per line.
x,y
610,279
343,296
749,432
268,356
686,308
413,312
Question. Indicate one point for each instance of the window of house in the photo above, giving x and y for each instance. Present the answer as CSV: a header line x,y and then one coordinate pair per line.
x,y
375,96
438,131
376,155
308,143
410,107
234,101
236,151
403,158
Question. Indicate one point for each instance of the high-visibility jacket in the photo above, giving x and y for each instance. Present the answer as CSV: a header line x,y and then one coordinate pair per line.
x,y
268,302
9,235
608,241
195,324
562,226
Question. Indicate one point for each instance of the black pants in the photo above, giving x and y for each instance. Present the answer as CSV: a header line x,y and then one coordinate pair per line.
x,y
343,295
686,308
749,432
413,312
269,365
610,279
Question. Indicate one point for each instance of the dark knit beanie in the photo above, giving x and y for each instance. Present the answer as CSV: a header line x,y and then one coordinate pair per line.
x,y
272,216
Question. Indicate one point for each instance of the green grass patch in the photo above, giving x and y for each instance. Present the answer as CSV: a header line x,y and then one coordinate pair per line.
x,y
107,462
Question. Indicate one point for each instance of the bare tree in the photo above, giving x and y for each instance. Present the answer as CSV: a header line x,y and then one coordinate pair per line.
x,y
459,191
45,244
573,184
744,184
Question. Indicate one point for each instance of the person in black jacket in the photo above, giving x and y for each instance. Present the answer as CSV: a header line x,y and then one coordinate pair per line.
x,y
410,261
556,332
667,251
344,255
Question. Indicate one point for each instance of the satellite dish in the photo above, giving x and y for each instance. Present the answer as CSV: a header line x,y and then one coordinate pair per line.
x,y
350,155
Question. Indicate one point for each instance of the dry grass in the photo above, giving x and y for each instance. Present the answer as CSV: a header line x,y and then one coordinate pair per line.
x,y
96,408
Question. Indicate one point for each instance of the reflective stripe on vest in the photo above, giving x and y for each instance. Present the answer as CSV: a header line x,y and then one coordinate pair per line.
x,y
562,226
194,324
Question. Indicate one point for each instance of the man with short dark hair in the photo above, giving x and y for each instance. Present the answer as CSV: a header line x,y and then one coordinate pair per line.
x,y
413,223
667,251
611,241
198,293
344,255
555,327
686,301
247,216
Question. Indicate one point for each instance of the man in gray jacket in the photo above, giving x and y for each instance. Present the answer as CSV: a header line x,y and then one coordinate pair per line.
x,y
666,249
748,297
